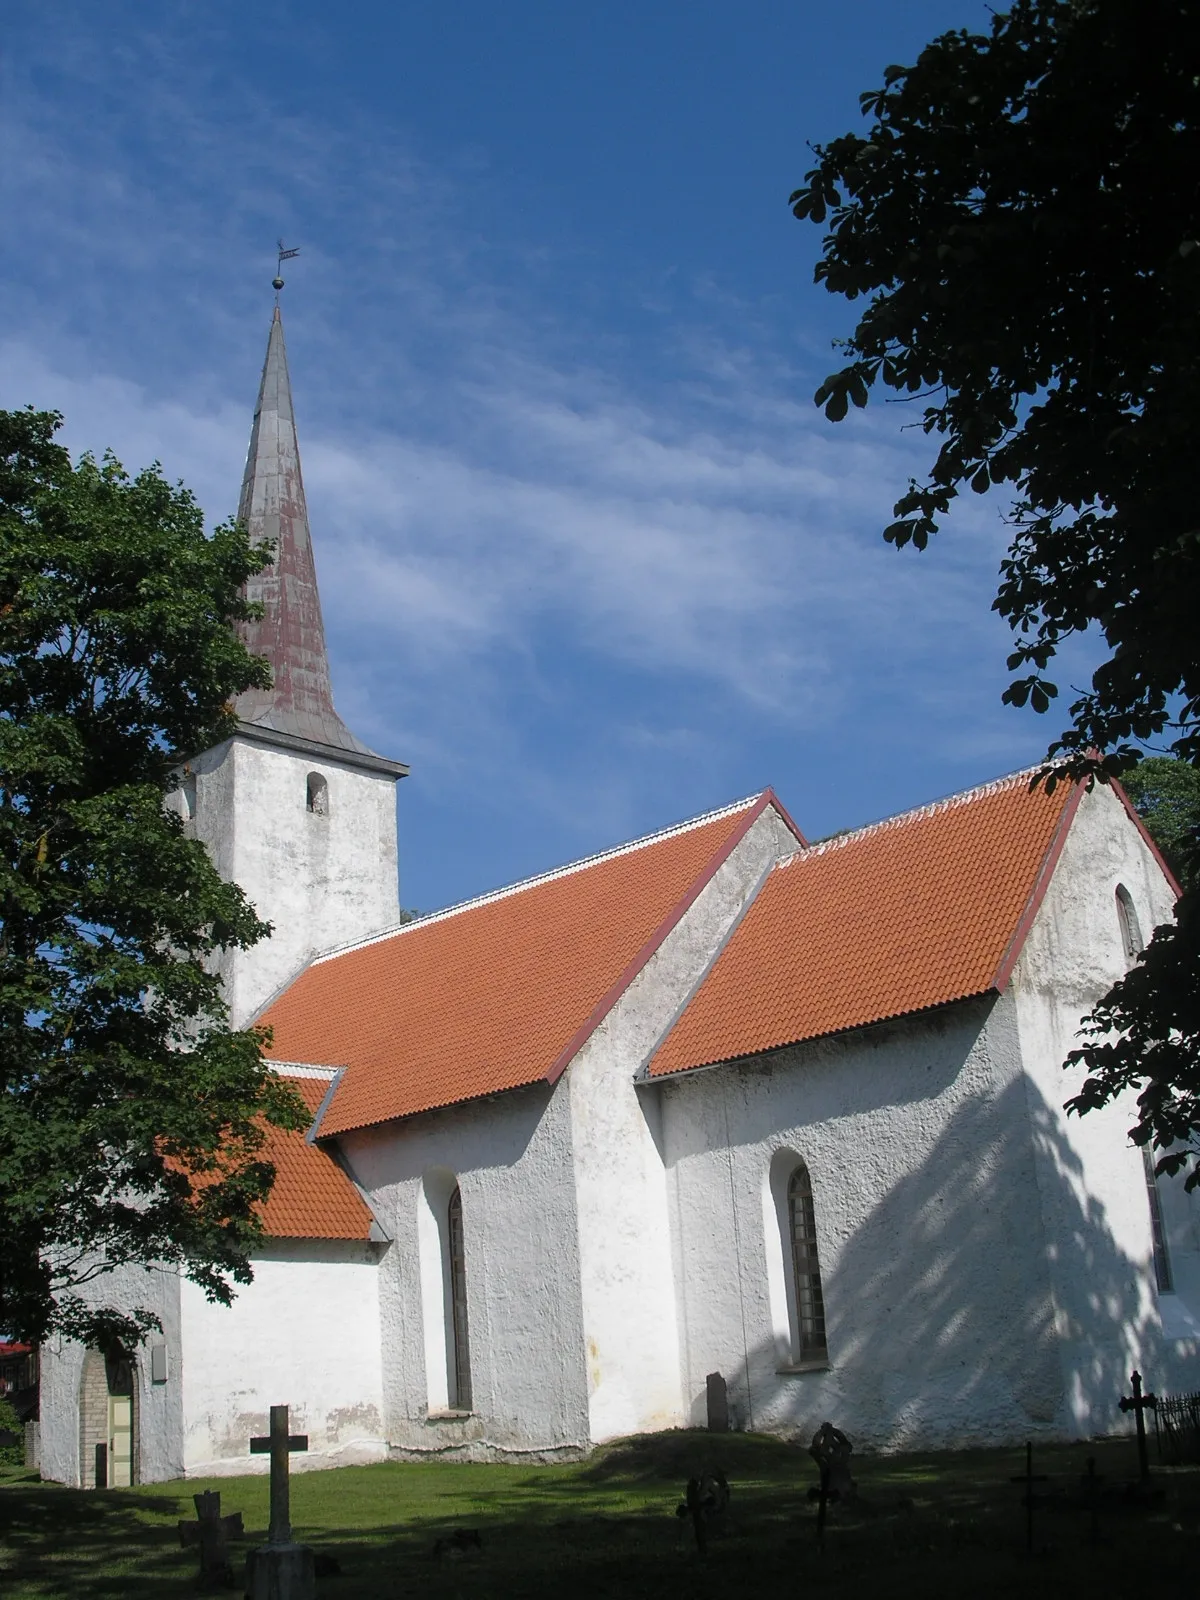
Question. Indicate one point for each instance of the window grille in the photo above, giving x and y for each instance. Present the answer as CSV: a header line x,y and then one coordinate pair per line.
x,y
810,1302
460,1399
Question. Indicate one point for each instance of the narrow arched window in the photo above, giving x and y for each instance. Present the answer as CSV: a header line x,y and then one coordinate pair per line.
x,y
317,798
1158,1234
806,1269
1127,920
187,802
460,1398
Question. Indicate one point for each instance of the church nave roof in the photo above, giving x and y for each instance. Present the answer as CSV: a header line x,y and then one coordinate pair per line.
x,y
499,992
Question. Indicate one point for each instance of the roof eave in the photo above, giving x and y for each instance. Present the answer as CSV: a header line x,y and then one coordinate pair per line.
x,y
365,760
855,1029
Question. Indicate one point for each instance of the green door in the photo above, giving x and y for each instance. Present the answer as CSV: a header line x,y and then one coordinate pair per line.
x,y
120,1441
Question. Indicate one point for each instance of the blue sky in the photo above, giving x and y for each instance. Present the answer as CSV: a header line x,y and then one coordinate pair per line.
x,y
590,559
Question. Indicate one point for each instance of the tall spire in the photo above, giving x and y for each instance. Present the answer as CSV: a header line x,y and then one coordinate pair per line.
x,y
299,704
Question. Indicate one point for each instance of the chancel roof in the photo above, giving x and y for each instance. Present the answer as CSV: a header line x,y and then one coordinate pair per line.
x,y
312,1197
500,992
911,913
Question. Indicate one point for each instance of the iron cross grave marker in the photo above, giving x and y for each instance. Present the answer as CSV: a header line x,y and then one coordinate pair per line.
x,y
1029,1477
278,1444
1139,1403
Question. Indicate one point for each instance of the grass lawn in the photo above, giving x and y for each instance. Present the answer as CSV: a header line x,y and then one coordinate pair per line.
x,y
928,1525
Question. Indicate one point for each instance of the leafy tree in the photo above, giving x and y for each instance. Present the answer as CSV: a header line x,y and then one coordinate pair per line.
x,y
12,1454
1166,794
1023,218
131,1116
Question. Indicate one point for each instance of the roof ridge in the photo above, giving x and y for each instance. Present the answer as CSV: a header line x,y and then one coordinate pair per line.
x,y
540,878
929,809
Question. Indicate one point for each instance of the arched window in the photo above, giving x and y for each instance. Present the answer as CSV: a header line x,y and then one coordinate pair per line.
x,y
806,1269
460,1376
1131,933
317,798
1158,1234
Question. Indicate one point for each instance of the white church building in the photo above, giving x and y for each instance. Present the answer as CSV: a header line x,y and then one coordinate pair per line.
x,y
713,1101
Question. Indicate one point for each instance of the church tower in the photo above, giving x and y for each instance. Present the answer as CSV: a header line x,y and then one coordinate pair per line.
x,y
293,807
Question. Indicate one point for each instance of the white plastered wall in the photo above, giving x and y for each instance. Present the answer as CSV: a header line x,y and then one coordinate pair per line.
x,y
626,1269
320,880
1110,1315
511,1157
937,1293
304,1334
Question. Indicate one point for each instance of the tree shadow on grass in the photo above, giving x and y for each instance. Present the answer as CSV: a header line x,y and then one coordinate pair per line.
x,y
94,1543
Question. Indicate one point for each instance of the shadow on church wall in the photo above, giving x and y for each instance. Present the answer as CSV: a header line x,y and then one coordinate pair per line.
x,y
948,1321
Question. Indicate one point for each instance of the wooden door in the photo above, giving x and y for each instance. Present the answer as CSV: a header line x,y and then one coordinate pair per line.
x,y
120,1441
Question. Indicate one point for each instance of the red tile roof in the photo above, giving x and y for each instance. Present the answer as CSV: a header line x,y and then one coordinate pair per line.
x,y
312,1197
913,912
502,991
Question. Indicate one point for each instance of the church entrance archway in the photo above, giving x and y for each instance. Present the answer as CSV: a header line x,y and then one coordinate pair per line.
x,y
107,1421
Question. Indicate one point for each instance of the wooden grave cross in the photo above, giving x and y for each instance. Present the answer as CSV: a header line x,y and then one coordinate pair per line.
x,y
1139,1403
1029,1499
212,1532
278,1444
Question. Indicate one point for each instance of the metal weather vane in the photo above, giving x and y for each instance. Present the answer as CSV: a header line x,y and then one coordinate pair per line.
x,y
284,255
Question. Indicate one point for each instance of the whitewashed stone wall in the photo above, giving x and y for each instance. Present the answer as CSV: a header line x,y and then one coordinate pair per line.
x,y
320,880
626,1269
511,1156
938,1312
305,1333
1110,1315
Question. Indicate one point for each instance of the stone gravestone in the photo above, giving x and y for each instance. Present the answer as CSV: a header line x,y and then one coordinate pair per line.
x,y
718,1403
280,1569
212,1532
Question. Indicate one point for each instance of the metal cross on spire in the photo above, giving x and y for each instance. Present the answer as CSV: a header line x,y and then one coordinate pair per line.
x,y
284,255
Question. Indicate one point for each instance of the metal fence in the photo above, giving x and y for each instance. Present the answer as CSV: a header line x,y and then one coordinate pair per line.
x,y
1177,1424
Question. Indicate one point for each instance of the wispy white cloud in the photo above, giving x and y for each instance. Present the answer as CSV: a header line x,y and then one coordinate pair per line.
x,y
536,542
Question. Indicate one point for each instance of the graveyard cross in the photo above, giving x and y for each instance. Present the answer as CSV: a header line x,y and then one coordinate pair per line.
x,y
831,1450
1029,1500
211,1531
277,1444
1137,1403
707,1500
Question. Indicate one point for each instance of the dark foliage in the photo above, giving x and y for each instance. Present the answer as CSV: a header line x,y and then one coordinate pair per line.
x,y
1022,215
1166,793
130,1114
